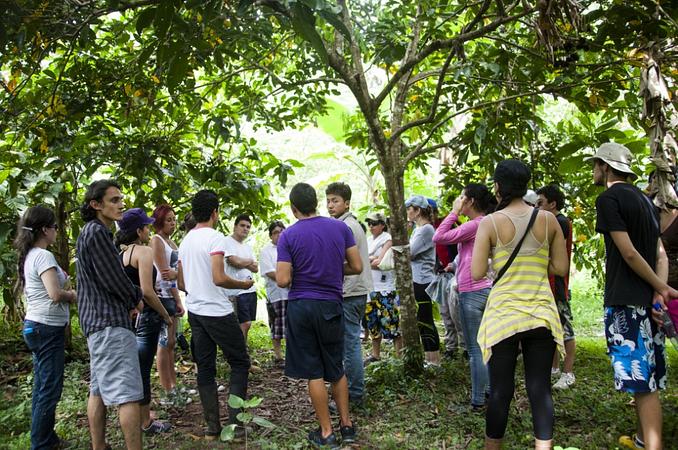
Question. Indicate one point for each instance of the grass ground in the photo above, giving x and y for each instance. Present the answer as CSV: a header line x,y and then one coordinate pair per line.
x,y
427,413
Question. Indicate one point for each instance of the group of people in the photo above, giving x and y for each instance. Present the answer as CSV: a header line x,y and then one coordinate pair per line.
x,y
324,277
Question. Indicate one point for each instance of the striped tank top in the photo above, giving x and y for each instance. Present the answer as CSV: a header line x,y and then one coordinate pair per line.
x,y
522,299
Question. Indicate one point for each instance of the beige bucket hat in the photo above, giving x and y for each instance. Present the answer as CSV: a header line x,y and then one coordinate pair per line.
x,y
616,156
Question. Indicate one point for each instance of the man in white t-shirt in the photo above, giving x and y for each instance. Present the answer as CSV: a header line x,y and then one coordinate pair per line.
x,y
240,264
210,313
276,296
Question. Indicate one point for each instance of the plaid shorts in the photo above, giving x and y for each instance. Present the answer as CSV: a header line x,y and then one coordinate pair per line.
x,y
635,345
276,318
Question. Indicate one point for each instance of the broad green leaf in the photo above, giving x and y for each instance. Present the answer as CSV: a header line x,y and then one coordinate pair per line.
x,y
235,402
263,422
228,433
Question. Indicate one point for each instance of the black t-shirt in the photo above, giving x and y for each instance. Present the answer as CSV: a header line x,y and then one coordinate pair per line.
x,y
623,207
559,285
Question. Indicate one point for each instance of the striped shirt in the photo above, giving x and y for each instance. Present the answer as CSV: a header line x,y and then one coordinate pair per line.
x,y
105,293
522,299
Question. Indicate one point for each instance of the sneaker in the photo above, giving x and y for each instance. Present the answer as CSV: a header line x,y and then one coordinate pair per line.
x,y
566,380
631,442
157,427
316,438
348,434
555,372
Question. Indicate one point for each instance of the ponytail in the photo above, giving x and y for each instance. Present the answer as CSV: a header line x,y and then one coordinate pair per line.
x,y
28,231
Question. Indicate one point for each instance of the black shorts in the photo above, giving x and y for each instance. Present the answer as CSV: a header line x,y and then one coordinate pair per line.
x,y
247,307
315,340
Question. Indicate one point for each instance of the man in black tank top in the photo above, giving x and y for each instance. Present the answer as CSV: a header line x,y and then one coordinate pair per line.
x,y
636,270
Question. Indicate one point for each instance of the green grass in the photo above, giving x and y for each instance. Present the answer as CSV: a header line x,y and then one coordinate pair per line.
x,y
426,413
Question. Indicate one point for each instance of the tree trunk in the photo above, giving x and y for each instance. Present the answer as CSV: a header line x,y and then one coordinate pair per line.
x,y
413,355
62,253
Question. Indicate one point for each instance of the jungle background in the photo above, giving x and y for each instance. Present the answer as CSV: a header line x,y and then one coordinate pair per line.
x,y
395,97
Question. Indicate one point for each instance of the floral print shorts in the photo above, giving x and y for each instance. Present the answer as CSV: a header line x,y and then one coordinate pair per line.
x,y
635,345
383,314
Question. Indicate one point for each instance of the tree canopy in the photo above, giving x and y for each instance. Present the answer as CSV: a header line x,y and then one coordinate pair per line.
x,y
156,94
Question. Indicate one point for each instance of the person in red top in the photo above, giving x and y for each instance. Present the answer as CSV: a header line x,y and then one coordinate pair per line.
x,y
551,199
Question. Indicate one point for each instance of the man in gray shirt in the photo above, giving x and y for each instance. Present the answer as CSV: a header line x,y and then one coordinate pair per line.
x,y
356,289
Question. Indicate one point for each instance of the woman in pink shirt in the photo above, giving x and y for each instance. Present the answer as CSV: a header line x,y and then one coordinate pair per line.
x,y
474,202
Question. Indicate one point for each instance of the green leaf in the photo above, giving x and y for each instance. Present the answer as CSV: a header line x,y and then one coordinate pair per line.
x,y
245,417
253,402
303,21
235,402
145,19
336,22
228,432
263,422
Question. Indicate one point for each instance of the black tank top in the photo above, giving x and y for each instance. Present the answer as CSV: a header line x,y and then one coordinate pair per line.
x,y
133,272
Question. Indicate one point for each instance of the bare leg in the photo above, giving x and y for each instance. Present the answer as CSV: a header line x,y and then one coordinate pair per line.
x,y
376,347
398,344
556,359
165,360
245,327
96,415
543,445
145,415
340,395
318,394
649,410
570,350
492,444
433,357
130,422
277,350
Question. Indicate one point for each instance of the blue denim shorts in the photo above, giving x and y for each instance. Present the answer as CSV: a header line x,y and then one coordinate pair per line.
x,y
635,345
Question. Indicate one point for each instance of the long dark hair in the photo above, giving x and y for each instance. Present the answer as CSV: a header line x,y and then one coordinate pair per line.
x,y
127,237
95,191
28,231
511,177
483,201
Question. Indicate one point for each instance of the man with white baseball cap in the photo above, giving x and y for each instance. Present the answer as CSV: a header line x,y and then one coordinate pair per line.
x,y
636,270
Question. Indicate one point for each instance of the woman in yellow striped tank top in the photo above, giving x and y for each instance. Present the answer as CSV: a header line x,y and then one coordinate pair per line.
x,y
520,312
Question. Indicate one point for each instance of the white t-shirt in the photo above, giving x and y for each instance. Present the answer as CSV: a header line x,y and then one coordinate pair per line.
x,y
39,306
195,253
383,280
240,250
267,263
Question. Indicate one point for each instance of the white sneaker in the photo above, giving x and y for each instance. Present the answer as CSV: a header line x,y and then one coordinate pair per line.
x,y
566,380
555,371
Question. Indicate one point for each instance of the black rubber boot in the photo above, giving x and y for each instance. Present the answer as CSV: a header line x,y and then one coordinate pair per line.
x,y
210,407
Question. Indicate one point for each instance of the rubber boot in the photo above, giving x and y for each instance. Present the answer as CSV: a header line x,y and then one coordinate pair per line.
x,y
210,408
492,444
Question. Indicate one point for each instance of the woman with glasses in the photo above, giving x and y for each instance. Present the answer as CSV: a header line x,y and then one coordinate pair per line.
x,y
48,295
382,309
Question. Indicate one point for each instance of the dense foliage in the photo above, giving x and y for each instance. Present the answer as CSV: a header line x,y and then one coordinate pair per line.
x,y
157,93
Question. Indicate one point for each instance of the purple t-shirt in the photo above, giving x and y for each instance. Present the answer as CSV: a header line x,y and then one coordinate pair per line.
x,y
316,248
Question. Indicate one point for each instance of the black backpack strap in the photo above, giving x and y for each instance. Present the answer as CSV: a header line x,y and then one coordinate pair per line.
x,y
503,270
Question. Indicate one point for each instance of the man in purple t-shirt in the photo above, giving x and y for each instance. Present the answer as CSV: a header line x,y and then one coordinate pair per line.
x,y
314,254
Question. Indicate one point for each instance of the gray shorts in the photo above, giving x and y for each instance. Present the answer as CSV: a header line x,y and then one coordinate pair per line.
x,y
114,366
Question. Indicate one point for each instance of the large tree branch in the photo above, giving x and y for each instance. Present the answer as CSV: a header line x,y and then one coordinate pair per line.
x,y
434,107
445,44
